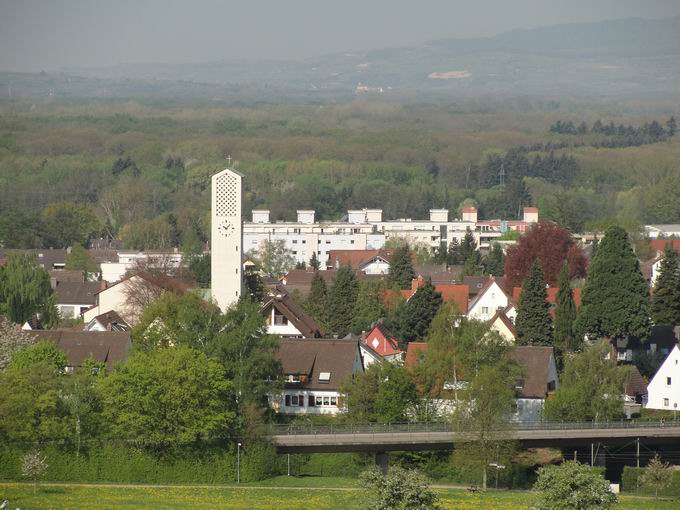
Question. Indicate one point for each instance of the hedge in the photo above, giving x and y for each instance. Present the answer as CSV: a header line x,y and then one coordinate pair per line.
x,y
122,464
629,483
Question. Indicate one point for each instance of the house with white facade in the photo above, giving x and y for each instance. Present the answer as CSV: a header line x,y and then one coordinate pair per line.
x,y
663,391
490,299
286,318
379,344
314,372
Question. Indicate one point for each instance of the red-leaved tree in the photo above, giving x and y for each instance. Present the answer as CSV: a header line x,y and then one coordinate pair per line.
x,y
552,245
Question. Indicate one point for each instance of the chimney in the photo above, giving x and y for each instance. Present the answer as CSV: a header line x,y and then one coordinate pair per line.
x,y
260,216
439,215
531,214
53,282
305,216
470,214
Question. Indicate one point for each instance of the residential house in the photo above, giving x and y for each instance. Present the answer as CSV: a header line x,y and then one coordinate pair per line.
x,y
490,298
667,230
109,348
663,391
451,292
551,296
73,298
286,318
502,324
379,344
129,296
300,280
314,372
662,339
109,321
538,381
373,262
49,259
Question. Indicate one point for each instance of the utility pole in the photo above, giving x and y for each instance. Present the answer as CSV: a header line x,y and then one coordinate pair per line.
x,y
289,464
592,454
637,452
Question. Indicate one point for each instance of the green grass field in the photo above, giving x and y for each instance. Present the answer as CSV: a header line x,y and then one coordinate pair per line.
x,y
279,494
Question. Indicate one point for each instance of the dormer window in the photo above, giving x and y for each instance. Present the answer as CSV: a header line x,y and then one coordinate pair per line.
x,y
324,377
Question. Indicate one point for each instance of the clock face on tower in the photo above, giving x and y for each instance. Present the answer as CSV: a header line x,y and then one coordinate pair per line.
x,y
226,228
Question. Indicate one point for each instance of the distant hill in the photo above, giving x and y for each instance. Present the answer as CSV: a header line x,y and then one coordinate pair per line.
x,y
622,58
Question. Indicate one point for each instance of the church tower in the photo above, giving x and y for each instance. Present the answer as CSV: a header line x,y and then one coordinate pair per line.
x,y
226,238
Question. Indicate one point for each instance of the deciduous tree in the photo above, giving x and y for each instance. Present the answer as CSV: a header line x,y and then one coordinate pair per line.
x,y
573,486
552,245
657,475
399,489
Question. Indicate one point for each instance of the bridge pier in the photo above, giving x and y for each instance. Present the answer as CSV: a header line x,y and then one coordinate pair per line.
x,y
382,460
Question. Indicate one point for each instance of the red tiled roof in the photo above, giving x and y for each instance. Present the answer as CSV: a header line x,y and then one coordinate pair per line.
x,y
414,350
451,293
660,244
354,258
552,295
386,344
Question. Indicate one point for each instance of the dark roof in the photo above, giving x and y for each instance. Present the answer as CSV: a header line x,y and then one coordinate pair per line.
x,y
112,321
76,293
49,258
636,385
62,275
164,282
439,273
108,347
476,283
536,363
312,357
356,258
290,309
301,279
500,315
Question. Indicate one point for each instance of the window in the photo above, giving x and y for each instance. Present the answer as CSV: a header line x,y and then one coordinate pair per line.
x,y
324,377
280,319
334,401
665,402
304,241
294,241
319,401
294,252
328,242
352,241
668,381
310,401
295,400
287,400
485,310
326,401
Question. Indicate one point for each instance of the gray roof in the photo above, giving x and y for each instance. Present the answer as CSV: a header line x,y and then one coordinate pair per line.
x,y
290,309
76,293
309,358
536,362
110,347
49,258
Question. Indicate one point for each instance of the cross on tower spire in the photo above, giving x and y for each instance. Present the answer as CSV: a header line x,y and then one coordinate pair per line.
x,y
229,160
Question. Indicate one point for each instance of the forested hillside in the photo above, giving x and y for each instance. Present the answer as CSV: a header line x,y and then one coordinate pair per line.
x,y
78,169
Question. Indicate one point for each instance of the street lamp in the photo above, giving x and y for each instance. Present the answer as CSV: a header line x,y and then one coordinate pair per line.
x,y
238,462
498,468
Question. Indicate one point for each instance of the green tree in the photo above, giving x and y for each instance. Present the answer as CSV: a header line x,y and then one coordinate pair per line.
x,y
12,339
314,262
590,387
31,408
401,268
199,265
33,467
533,322
468,248
494,263
483,411
80,395
399,489
174,320
67,224
369,306
25,290
317,301
453,253
341,298
169,398
565,315
43,351
253,285
411,319
79,259
615,298
657,475
665,304
573,486
274,258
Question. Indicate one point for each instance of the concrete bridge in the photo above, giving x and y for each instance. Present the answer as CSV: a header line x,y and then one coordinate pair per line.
x,y
380,438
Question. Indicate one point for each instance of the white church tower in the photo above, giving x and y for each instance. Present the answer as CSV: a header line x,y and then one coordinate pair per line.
x,y
226,238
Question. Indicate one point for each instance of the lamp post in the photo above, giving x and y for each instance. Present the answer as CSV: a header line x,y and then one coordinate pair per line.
x,y
238,462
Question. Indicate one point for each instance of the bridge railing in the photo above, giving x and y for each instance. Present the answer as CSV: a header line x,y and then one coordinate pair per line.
x,y
392,428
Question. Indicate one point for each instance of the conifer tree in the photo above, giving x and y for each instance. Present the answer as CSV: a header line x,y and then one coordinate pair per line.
x,y
468,248
401,268
411,320
314,262
533,323
565,314
615,298
369,305
453,253
341,299
495,261
317,301
665,303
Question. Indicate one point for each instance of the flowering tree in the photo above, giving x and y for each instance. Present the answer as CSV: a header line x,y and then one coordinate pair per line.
x,y
33,467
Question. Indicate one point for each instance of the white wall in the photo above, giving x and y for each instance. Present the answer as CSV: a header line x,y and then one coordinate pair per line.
x,y
660,394
485,308
305,408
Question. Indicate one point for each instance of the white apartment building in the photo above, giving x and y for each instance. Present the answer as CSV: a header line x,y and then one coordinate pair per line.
x,y
364,229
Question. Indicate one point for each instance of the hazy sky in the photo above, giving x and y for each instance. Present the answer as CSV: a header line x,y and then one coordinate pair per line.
x,y
49,34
